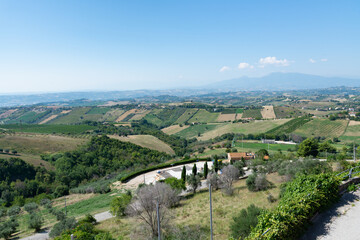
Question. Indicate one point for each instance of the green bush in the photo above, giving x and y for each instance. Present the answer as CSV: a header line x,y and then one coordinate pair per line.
x,y
63,225
175,183
31,207
13,211
35,221
242,223
301,199
118,205
88,219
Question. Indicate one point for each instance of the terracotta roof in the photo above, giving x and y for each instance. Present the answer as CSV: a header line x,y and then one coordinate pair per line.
x,y
239,155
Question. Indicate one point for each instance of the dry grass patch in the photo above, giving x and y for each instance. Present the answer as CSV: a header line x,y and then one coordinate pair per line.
x,y
268,112
39,143
49,119
174,129
71,199
139,115
354,123
226,117
146,141
31,159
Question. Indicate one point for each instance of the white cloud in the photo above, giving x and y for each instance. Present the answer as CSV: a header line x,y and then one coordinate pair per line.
x,y
324,60
273,61
244,65
312,60
224,68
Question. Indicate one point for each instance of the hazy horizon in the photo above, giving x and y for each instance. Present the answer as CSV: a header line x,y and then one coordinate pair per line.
x,y
79,46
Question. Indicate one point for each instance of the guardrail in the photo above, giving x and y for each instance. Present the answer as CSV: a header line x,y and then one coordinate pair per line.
x,y
350,173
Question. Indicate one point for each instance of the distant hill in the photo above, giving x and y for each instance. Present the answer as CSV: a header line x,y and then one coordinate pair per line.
x,y
283,81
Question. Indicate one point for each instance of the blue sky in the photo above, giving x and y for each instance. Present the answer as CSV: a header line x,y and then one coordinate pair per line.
x,y
116,45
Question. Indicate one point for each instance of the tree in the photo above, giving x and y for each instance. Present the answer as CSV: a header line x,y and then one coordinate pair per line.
x,y
216,165
257,182
228,176
194,170
8,227
63,225
240,166
183,174
118,205
176,184
214,180
144,205
206,170
31,207
194,182
327,147
14,152
35,221
244,221
309,147
262,153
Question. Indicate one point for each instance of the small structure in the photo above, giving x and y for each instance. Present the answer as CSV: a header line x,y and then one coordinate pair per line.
x,y
270,141
240,155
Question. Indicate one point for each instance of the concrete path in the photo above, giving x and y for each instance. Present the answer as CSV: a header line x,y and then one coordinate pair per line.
x,y
339,222
45,234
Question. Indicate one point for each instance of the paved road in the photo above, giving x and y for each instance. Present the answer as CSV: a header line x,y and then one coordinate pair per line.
x,y
45,235
339,222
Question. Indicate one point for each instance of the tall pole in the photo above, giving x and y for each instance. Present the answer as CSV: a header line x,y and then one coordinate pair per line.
x,y
158,218
242,141
211,228
65,207
354,152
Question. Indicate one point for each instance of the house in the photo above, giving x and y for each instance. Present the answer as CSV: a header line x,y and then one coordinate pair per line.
x,y
240,155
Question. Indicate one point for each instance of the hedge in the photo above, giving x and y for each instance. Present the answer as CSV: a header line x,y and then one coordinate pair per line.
x,y
301,199
160,166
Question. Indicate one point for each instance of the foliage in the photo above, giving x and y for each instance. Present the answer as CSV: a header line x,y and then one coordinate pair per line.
x,y
31,207
206,170
119,204
88,219
289,126
257,182
177,184
309,147
301,199
13,211
183,174
244,221
7,228
49,129
193,181
194,170
63,225
84,231
35,221
228,176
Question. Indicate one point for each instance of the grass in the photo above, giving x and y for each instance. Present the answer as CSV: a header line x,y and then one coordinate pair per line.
x,y
253,127
195,210
203,116
254,147
287,112
99,110
153,119
29,117
194,130
39,144
352,134
31,159
186,115
322,128
147,141
252,113
239,110
48,129
75,116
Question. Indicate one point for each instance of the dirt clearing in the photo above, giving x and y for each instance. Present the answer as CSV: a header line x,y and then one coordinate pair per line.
x,y
268,112
226,117
174,129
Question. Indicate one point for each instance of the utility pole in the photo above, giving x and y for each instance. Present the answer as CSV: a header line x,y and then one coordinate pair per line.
x,y
354,152
144,179
211,229
65,207
158,218
242,141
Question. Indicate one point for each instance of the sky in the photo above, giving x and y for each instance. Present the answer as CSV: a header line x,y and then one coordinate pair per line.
x,y
67,45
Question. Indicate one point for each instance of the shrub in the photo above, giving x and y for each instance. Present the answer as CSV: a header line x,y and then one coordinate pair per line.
x,y
261,183
118,205
63,225
301,199
88,219
61,191
13,211
175,183
8,227
250,182
242,223
35,221
31,207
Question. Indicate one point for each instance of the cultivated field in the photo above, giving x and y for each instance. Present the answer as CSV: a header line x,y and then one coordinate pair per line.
x,y
31,159
112,115
195,130
254,127
287,112
75,116
268,112
252,113
186,115
49,119
38,144
48,129
204,116
174,129
147,141
226,117
322,128
126,114
139,115
352,133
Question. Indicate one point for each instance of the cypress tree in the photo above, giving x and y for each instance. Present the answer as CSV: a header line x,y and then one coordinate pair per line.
x,y
183,174
206,170
194,170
